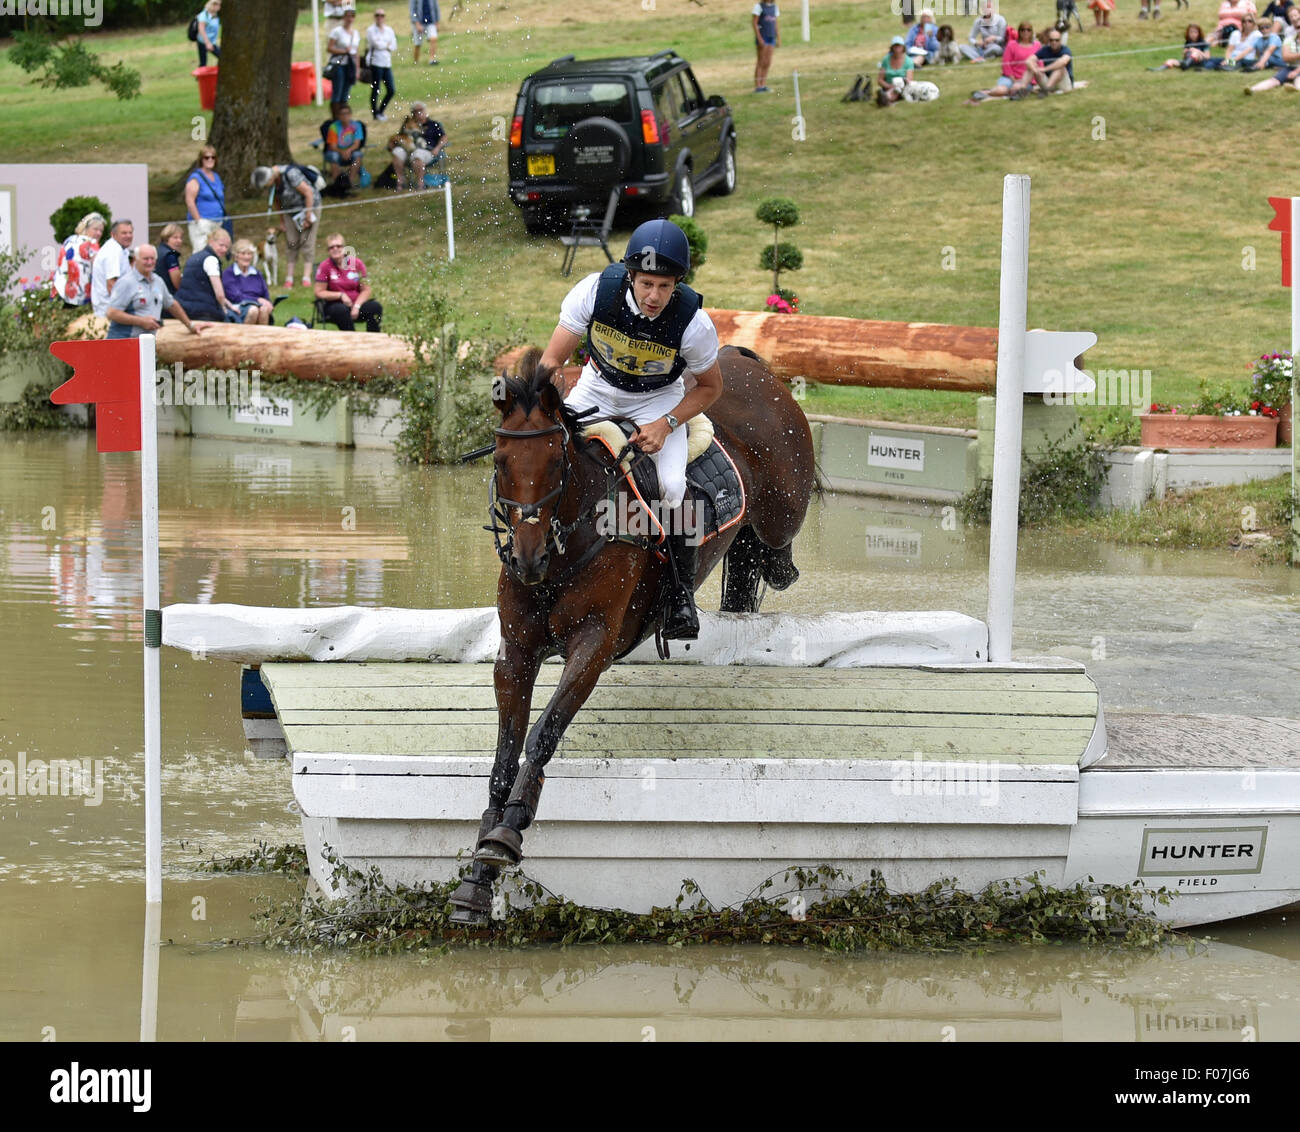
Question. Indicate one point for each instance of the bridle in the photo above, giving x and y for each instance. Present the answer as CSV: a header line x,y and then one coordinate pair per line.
x,y
500,506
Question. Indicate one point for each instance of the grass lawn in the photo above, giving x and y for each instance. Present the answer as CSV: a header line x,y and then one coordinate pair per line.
x,y
1148,189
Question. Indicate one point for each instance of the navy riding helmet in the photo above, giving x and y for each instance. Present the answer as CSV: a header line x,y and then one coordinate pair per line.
x,y
660,248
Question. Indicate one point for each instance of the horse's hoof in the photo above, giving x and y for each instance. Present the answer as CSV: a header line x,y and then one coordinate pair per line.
x,y
477,897
501,847
468,918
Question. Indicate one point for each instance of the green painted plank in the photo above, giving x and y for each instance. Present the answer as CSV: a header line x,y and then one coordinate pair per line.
x,y
705,720
704,704
316,675
723,740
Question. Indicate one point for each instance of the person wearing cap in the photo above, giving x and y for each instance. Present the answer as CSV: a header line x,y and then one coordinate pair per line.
x,y
293,192
988,35
898,64
645,330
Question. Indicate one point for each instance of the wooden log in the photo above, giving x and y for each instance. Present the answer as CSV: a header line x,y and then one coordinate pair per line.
x,y
855,351
279,349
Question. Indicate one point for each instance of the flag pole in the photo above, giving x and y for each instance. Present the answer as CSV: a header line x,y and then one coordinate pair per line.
x,y
1295,386
152,624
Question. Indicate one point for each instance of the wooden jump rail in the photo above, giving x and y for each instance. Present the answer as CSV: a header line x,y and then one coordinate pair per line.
x,y
840,351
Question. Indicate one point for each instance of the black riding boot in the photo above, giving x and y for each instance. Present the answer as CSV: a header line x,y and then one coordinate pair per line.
x,y
681,623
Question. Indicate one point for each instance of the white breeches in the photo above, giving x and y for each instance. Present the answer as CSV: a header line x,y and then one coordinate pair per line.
x,y
670,460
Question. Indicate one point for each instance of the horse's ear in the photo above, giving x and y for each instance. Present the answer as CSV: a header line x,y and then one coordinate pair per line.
x,y
502,398
550,397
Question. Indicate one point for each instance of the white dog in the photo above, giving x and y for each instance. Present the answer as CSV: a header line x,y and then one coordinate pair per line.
x,y
269,259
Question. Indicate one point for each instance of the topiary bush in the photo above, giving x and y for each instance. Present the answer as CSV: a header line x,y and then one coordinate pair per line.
x,y
698,241
780,213
67,216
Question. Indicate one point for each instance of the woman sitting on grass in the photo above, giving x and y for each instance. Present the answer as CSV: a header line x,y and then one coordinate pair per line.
x,y
1014,80
1284,58
898,64
1231,13
1196,51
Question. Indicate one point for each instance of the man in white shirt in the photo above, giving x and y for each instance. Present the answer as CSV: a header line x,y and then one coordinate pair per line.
x,y
110,264
645,330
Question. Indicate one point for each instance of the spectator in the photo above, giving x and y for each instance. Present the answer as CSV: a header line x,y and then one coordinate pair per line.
x,y
1279,9
245,287
205,198
767,38
987,35
345,144
76,261
110,264
420,142
1014,80
898,64
1230,16
170,241
294,192
135,307
344,42
948,46
334,11
201,292
209,18
381,42
341,285
1281,55
1196,50
425,18
1101,10
1052,66
922,42
1241,47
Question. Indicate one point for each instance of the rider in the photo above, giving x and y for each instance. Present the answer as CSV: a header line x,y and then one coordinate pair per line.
x,y
645,328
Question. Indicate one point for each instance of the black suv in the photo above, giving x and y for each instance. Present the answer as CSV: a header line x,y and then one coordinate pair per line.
x,y
640,123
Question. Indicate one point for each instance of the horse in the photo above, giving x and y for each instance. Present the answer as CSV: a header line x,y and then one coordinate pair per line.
x,y
567,588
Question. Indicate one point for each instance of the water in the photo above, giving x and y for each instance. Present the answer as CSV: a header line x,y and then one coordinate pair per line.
x,y
265,524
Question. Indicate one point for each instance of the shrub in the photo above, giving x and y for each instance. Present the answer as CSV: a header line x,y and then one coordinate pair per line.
x,y
65,218
698,241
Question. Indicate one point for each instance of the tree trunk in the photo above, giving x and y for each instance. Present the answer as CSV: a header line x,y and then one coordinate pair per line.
x,y
250,125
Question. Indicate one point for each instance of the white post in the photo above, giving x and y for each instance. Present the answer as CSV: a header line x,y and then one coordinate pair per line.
x,y
1295,385
1003,522
152,624
451,227
807,33
315,45
149,975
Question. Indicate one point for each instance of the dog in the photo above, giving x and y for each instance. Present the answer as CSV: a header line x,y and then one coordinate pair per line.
x,y
268,259
1064,10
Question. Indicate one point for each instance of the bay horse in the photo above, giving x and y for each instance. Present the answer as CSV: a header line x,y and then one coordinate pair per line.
x,y
565,588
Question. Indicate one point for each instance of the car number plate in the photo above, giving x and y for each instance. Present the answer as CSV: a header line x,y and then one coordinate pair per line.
x,y
541,166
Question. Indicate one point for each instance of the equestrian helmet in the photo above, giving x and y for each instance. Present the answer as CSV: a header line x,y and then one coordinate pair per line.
x,y
660,248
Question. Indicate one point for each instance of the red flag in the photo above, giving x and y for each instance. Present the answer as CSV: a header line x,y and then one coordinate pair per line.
x,y
107,374
1281,222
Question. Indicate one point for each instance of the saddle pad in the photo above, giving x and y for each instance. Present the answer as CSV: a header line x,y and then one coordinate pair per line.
x,y
713,484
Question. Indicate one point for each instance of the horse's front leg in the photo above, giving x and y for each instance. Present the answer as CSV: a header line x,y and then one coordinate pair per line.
x,y
589,654
514,676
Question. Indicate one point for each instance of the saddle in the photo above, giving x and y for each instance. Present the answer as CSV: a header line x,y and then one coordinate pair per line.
x,y
715,496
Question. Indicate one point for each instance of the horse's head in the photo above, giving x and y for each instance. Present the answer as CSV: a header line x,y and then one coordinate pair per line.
x,y
531,468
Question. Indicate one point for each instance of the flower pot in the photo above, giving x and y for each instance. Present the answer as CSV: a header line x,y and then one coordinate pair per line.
x,y
1176,430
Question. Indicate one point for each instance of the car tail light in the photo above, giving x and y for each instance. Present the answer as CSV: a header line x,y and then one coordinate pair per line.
x,y
632,190
517,131
649,127
534,196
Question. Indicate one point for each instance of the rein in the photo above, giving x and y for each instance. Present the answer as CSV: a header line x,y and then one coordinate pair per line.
x,y
499,506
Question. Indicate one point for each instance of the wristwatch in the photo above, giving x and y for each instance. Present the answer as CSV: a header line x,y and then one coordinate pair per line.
x,y
673,422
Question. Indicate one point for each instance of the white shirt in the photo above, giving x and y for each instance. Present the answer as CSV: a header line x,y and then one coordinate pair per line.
x,y
699,348
382,42
344,42
110,263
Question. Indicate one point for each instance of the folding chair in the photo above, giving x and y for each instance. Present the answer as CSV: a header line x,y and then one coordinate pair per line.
x,y
589,233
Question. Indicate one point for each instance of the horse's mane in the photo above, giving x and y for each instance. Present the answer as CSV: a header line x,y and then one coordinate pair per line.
x,y
526,389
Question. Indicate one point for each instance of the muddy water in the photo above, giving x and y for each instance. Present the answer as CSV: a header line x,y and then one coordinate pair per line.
x,y
278,525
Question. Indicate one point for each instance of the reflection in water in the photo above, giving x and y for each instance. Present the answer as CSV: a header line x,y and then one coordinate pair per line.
x,y
265,524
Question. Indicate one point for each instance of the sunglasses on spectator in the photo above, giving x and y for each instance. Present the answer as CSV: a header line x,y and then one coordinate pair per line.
x,y
334,247
209,157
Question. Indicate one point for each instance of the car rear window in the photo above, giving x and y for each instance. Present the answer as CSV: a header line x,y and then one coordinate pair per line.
x,y
560,105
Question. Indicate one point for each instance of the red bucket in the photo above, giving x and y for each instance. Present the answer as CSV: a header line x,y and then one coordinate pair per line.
x,y
207,78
